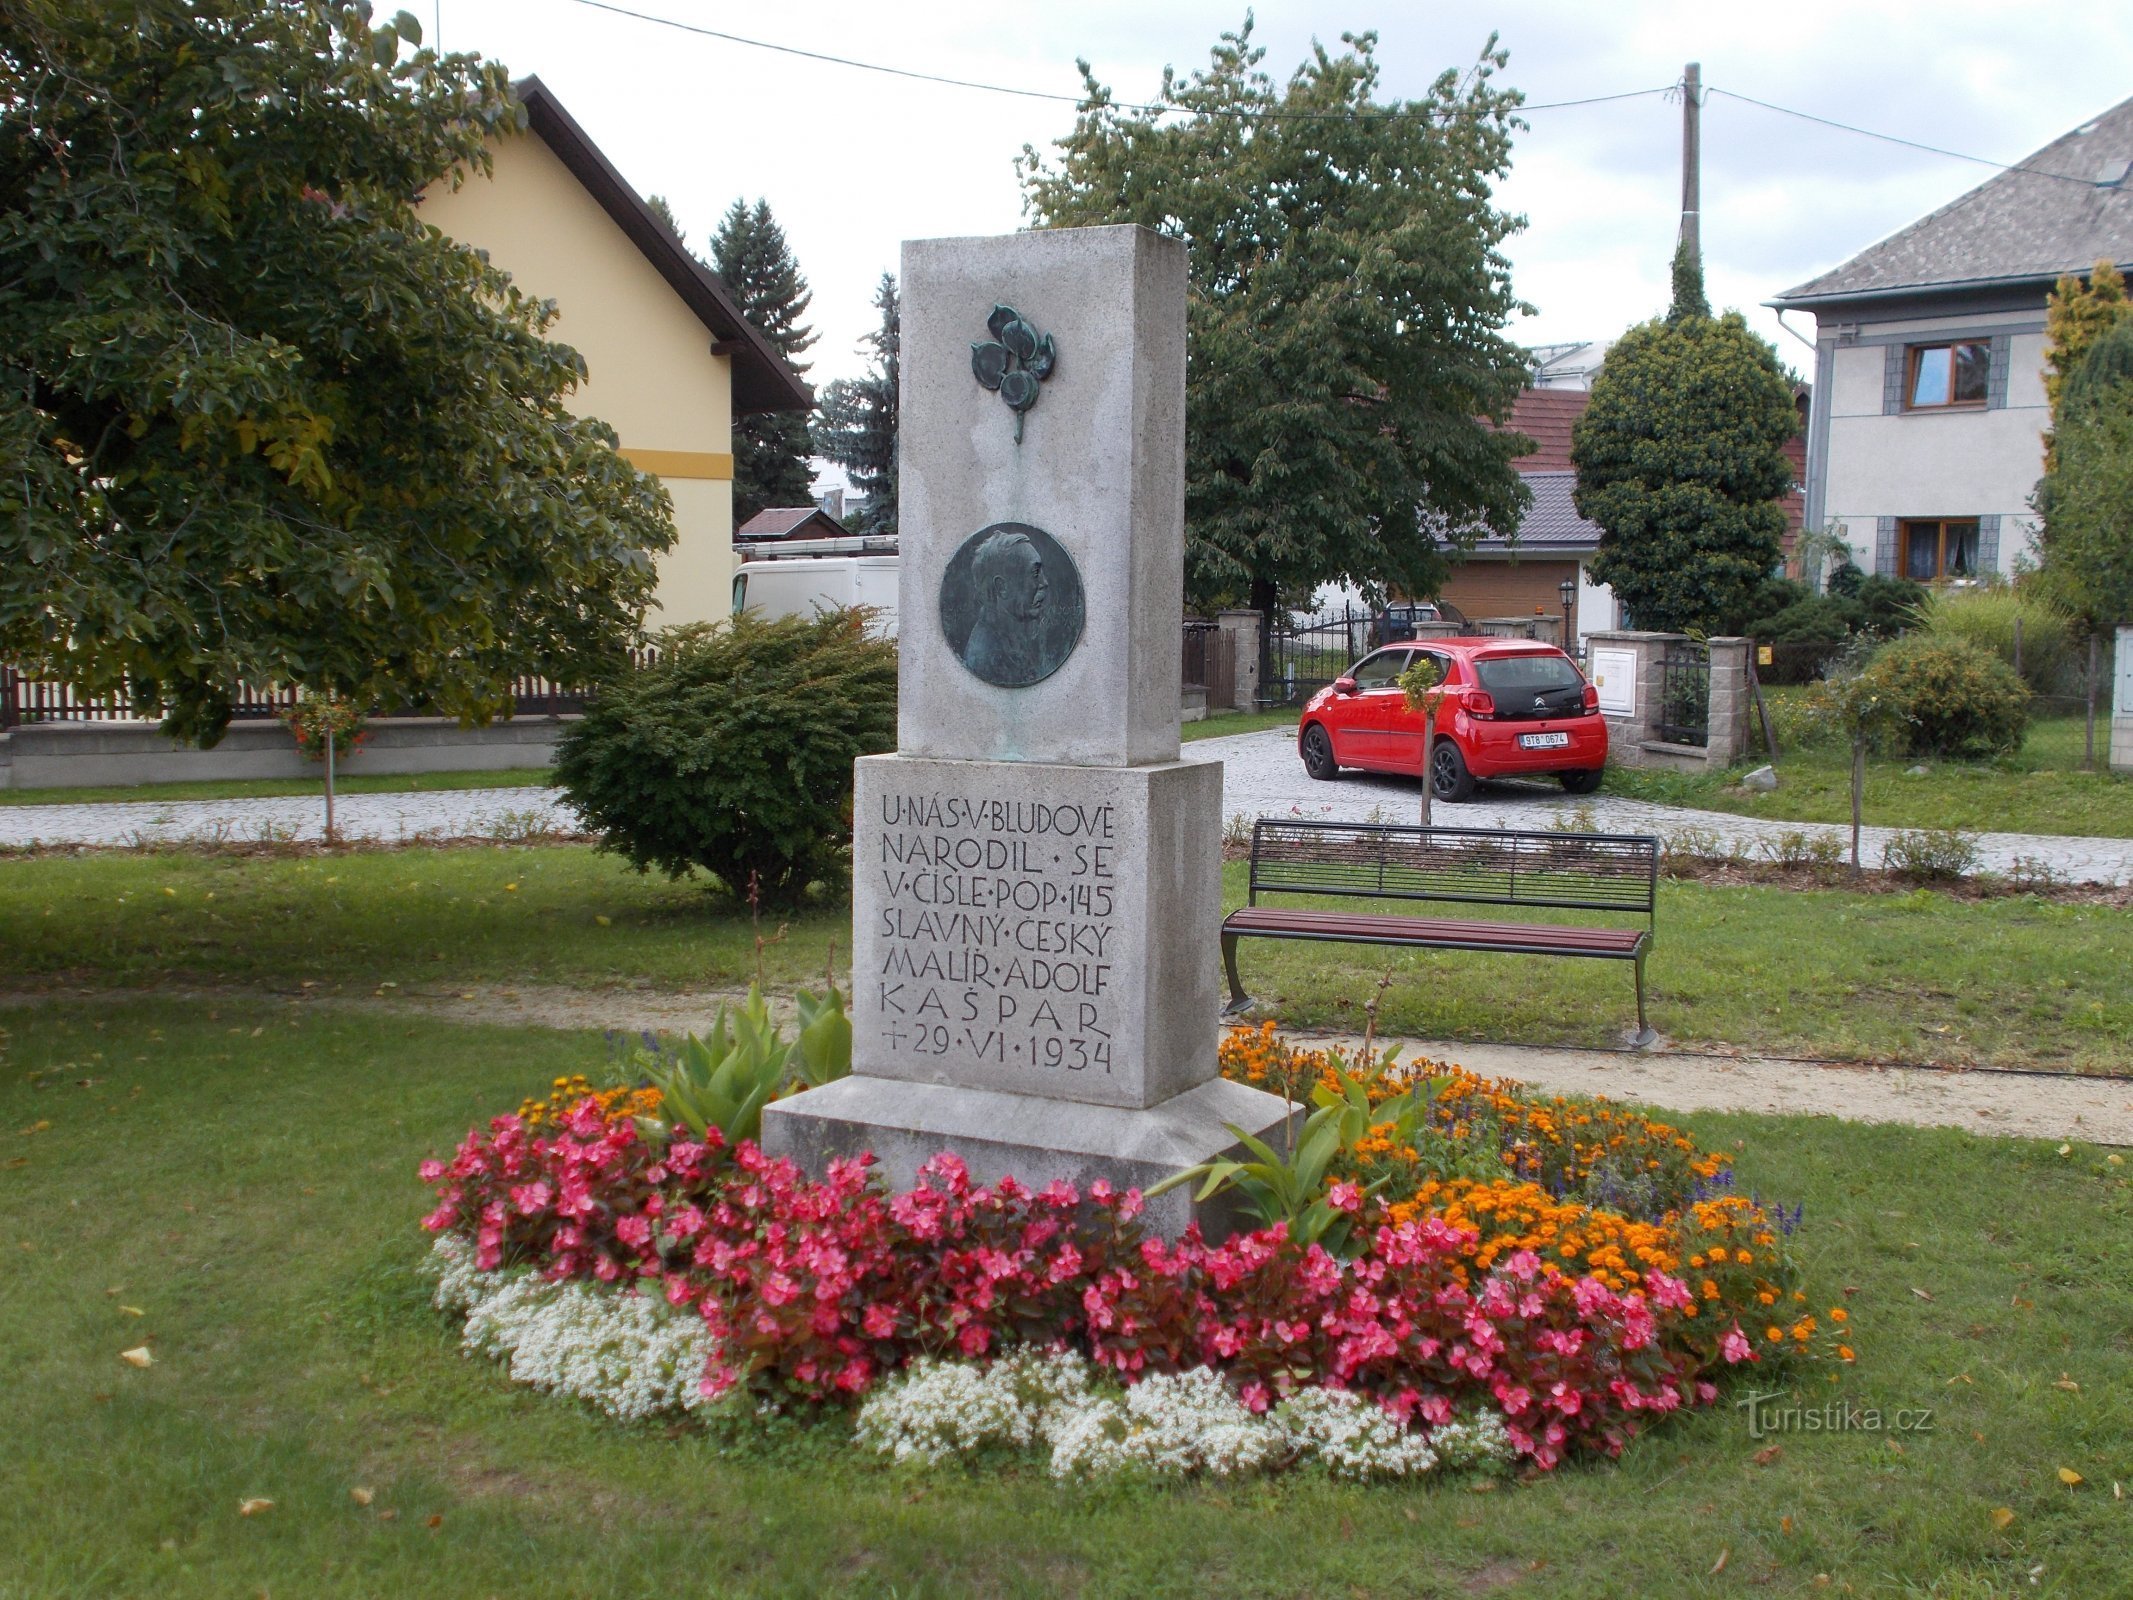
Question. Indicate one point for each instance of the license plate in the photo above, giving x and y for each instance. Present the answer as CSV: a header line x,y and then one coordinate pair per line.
x,y
1543,741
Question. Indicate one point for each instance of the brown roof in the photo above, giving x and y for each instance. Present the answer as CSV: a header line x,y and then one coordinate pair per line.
x,y
761,379
1545,416
791,522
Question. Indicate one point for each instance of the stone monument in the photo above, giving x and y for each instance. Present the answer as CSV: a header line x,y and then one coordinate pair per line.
x,y
1036,874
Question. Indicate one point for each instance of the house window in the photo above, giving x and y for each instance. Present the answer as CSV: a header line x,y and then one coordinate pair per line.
x,y
1940,549
1948,375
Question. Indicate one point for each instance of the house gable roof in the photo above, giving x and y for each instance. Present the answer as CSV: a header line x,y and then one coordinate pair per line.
x,y
2062,214
791,522
762,381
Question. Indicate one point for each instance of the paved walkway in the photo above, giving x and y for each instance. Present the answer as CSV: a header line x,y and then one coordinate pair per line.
x,y
437,814
1261,777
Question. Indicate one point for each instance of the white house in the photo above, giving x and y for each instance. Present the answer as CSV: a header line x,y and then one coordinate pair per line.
x,y
1925,439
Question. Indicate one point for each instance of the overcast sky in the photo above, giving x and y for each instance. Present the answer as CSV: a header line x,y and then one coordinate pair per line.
x,y
853,162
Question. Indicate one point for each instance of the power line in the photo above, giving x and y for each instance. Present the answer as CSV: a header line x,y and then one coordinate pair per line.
x,y
1890,138
1259,114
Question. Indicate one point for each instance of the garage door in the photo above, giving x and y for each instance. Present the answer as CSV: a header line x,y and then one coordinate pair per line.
x,y
1508,589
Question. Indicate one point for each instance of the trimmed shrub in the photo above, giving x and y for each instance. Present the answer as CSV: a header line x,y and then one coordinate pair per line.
x,y
1986,618
732,753
1955,698
1930,855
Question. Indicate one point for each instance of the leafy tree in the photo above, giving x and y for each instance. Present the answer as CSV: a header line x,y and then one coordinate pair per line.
x,y
770,449
859,418
2076,315
1680,460
266,426
2087,499
1348,300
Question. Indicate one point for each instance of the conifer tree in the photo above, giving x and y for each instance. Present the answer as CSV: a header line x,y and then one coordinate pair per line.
x,y
2076,315
859,418
770,449
1680,460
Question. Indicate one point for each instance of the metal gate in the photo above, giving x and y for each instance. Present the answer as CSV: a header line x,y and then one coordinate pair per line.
x,y
1685,694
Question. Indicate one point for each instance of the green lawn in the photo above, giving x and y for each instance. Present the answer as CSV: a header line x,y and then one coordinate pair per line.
x,y
242,1176
265,788
1920,976
1228,722
2040,790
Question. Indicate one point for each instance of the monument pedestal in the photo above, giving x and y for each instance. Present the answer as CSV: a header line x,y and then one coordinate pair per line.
x,y
1030,1138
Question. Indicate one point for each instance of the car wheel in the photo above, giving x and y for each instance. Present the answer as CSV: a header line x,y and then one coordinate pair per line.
x,y
1449,779
1318,753
1583,782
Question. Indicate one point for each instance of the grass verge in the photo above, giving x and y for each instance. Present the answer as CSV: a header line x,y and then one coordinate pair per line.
x,y
2041,790
1916,976
241,1176
1222,725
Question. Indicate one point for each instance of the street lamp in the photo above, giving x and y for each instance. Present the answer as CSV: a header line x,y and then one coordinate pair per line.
x,y
1568,589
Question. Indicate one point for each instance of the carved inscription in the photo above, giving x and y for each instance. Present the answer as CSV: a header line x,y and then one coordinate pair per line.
x,y
995,935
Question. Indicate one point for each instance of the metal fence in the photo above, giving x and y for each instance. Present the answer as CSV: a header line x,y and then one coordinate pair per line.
x,y
25,701
1300,657
1685,694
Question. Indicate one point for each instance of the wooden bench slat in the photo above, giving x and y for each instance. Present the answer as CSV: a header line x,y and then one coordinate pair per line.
x,y
1374,929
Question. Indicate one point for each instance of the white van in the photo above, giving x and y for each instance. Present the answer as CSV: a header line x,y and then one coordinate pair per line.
x,y
797,578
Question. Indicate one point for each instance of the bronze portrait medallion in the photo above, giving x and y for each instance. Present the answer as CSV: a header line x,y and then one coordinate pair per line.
x,y
1011,604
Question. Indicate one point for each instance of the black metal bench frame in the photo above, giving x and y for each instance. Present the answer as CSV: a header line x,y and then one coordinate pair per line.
x,y
1472,866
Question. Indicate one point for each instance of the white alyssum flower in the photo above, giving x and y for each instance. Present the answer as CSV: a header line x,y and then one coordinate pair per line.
x,y
632,1355
1167,1424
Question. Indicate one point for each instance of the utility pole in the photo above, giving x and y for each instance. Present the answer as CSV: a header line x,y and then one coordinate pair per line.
x,y
1691,159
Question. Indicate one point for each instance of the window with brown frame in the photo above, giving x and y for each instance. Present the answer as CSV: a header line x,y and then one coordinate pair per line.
x,y
1947,376
1940,548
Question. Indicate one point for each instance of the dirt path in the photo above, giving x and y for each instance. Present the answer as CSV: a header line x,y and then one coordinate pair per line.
x,y
2017,1104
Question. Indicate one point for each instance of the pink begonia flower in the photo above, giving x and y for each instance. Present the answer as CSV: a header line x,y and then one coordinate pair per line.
x,y
1523,1265
636,1232
1255,1396
1436,1410
430,1171
1735,1346
879,1321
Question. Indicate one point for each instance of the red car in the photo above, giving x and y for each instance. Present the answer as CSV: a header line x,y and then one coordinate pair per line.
x,y
1512,708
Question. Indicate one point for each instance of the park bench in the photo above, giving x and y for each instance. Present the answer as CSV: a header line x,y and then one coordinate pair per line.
x,y
1388,861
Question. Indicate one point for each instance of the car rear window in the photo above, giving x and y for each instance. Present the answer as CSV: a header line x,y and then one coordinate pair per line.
x,y
1532,674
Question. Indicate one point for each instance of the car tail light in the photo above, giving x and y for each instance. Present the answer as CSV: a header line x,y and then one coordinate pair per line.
x,y
1480,704
1592,697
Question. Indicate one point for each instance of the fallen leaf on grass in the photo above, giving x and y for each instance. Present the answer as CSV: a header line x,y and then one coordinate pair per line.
x,y
1725,1554
1768,1454
361,1497
2071,1478
1785,1525
388,1515
138,1356
1922,1294
2002,1517
2063,1381
132,1311
252,1508
434,1520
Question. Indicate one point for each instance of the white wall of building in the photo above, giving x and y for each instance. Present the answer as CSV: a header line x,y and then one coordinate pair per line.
x,y
1924,464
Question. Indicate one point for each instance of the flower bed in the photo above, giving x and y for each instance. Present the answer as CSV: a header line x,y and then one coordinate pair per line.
x,y
1522,1278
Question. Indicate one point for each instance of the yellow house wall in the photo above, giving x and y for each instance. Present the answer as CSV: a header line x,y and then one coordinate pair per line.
x,y
650,372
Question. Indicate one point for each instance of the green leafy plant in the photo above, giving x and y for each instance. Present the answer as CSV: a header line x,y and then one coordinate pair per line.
x,y
1930,855
732,752
724,1079
1950,697
2013,622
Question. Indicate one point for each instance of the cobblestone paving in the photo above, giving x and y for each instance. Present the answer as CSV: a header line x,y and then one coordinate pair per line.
x,y
442,814
1262,776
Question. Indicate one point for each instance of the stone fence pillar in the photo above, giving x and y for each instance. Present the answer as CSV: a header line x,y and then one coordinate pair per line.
x,y
1624,664
1726,736
1242,627
2122,705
